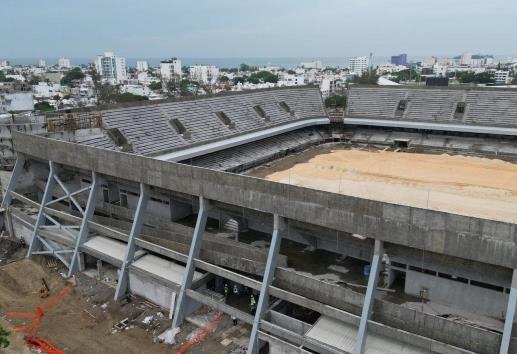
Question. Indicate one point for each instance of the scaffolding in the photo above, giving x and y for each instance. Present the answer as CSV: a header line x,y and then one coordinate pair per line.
x,y
71,121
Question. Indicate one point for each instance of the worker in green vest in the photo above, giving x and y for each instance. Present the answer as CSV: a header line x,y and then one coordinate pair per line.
x,y
226,291
253,304
235,290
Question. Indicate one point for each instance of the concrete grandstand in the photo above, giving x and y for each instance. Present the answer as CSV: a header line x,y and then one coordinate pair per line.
x,y
341,272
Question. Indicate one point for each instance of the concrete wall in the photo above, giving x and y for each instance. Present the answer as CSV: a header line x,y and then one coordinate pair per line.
x,y
482,240
150,289
463,296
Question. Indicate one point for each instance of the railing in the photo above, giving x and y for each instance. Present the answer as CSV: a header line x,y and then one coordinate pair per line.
x,y
70,121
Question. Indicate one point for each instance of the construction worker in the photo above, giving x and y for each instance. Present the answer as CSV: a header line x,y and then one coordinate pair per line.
x,y
253,304
226,291
234,319
235,290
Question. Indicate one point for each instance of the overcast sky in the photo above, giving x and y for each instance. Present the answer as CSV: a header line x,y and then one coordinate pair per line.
x,y
255,28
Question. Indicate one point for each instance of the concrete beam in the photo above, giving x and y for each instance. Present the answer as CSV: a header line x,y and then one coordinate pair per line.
x,y
129,254
11,186
195,248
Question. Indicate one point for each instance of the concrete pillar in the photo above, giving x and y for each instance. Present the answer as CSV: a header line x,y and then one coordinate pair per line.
x,y
35,243
510,315
11,186
369,298
84,228
269,273
131,246
182,301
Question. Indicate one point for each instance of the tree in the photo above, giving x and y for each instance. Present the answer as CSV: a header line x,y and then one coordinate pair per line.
x,y
43,106
172,85
4,337
406,75
486,77
263,76
335,101
189,88
291,72
224,79
366,79
5,79
129,97
246,67
514,80
238,79
72,75
155,86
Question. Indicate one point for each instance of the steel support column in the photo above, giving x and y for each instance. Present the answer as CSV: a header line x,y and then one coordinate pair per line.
x,y
84,228
35,242
195,247
131,246
269,273
510,315
11,186
369,298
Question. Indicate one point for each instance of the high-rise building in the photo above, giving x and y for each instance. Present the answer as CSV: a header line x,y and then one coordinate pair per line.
x,y
400,59
429,62
170,69
142,66
466,59
206,74
359,65
42,63
64,63
111,68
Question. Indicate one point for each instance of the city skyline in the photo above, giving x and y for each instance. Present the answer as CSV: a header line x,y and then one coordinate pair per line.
x,y
232,29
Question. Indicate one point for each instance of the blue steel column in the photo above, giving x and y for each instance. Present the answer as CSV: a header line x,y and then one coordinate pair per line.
x,y
195,247
84,229
369,298
17,170
510,315
267,280
131,246
47,197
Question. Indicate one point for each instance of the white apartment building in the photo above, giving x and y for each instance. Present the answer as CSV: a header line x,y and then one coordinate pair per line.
x,y
64,63
440,70
142,66
45,90
170,68
466,59
429,62
42,63
111,68
502,77
390,68
359,65
206,74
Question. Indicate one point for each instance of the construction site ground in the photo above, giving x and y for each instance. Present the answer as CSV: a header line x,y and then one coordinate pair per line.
x,y
83,322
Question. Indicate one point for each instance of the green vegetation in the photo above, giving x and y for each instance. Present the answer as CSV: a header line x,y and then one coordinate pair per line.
x,y
224,79
263,76
155,86
366,79
189,88
406,75
246,67
4,337
514,80
471,77
291,72
5,79
72,75
335,101
43,106
238,79
108,94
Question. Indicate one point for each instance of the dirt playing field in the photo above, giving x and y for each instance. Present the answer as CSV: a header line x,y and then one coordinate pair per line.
x,y
82,323
463,185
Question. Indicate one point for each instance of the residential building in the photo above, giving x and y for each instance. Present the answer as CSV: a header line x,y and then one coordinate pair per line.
x,y
440,70
466,59
359,65
111,68
389,69
16,97
429,62
142,66
42,63
64,63
400,59
45,90
170,68
502,77
206,74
